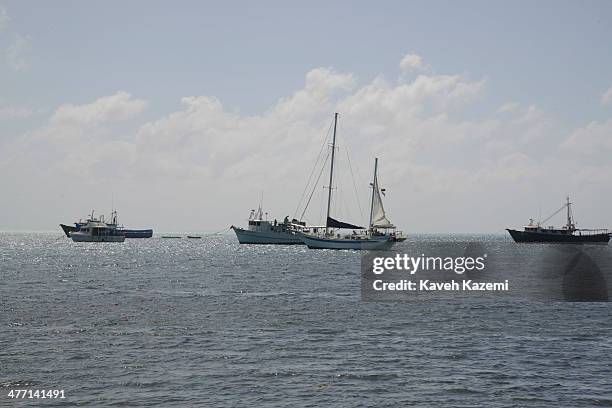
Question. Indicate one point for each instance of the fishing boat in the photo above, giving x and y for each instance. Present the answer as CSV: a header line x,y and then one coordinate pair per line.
x,y
96,230
129,233
569,233
380,234
262,231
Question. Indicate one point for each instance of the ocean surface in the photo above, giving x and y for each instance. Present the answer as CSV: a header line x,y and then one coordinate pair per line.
x,y
186,322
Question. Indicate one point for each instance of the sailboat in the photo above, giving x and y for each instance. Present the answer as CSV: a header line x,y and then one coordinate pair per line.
x,y
380,234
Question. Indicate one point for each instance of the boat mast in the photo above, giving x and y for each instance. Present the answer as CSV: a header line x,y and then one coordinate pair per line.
x,y
569,215
374,186
331,173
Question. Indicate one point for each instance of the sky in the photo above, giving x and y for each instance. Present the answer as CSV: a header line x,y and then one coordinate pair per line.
x,y
183,114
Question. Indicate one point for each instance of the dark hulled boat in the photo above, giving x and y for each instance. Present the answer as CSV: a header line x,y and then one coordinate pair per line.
x,y
129,233
569,234
558,236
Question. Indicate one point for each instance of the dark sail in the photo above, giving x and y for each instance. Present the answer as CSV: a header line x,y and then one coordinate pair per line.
x,y
332,223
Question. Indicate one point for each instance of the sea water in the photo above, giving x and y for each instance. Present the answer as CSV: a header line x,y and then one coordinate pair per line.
x,y
208,322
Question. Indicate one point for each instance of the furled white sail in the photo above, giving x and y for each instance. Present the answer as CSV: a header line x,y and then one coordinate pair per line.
x,y
379,218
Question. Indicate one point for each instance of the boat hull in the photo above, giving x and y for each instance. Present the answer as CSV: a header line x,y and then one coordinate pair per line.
x,y
145,233
266,237
78,237
358,244
541,237
67,229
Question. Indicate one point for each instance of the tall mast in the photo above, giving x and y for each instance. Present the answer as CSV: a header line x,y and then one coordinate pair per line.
x,y
331,173
374,186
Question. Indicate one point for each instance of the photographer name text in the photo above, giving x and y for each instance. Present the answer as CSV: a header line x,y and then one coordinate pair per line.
x,y
427,285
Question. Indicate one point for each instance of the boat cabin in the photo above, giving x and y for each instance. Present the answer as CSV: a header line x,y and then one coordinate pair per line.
x,y
259,223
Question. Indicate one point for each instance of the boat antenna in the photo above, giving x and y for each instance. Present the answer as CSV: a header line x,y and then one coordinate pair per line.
x,y
331,173
374,187
113,216
570,224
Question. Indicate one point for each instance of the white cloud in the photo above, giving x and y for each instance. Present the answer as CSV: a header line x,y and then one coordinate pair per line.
x,y
594,138
607,96
326,80
508,107
206,164
76,137
119,106
17,53
412,62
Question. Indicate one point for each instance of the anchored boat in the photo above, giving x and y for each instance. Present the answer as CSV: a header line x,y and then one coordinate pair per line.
x,y
263,231
380,234
96,230
535,233
129,233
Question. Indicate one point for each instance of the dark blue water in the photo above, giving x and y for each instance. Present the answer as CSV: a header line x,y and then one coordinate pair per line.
x,y
207,322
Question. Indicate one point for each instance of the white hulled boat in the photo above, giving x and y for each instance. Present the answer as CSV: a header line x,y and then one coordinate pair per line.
x,y
262,231
96,230
129,233
380,234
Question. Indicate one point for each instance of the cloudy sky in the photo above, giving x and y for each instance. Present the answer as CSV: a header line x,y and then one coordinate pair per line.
x,y
483,114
